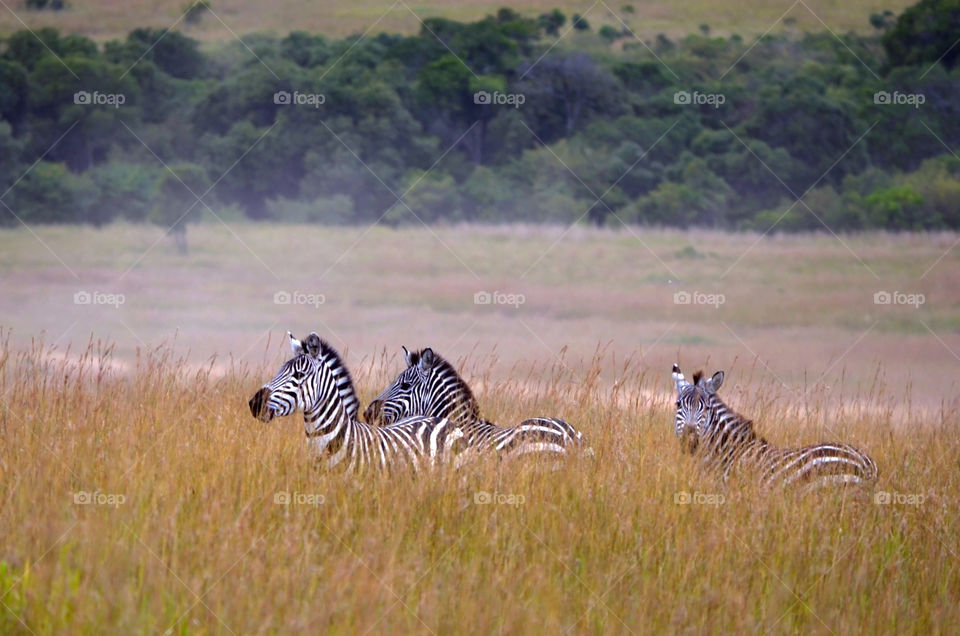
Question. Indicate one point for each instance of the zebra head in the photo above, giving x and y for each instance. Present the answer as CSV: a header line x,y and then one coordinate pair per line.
x,y
406,395
295,384
693,406
428,386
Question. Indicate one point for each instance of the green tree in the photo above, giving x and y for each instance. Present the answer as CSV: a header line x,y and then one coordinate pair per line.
x,y
252,94
751,168
454,98
608,33
552,22
925,33
431,197
897,208
698,198
938,181
91,108
906,135
255,164
305,49
564,91
27,48
126,190
49,193
815,126
39,5
882,20
176,200
488,196
14,91
174,53
11,168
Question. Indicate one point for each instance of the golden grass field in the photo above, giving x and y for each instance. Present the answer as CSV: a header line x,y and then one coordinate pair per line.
x,y
187,537
109,19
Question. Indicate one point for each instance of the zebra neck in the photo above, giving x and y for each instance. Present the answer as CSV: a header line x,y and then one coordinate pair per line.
x,y
731,432
451,396
335,413
458,408
346,393
326,429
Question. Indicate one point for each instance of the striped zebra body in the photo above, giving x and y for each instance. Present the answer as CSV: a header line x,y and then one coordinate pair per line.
x,y
317,382
431,386
726,442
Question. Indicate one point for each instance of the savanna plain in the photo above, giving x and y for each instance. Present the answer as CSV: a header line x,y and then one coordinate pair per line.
x,y
140,496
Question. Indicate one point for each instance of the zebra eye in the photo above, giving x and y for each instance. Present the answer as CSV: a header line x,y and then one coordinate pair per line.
x,y
404,386
298,375
678,403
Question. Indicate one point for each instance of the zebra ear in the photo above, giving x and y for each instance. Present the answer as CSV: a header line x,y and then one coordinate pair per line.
x,y
713,384
678,378
409,358
296,347
312,344
427,359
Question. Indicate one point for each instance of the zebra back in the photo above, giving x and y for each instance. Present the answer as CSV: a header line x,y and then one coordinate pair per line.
x,y
726,442
431,386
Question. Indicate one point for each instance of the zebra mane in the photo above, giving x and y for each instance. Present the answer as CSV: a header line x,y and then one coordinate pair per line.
x,y
443,366
341,375
742,421
697,376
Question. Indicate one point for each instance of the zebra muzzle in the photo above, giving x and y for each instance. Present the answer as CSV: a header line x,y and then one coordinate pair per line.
x,y
689,442
259,407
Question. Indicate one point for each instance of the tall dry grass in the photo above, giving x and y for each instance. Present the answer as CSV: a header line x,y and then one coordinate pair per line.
x,y
197,544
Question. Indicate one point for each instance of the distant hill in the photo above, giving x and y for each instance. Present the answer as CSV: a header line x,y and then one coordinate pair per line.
x,y
108,19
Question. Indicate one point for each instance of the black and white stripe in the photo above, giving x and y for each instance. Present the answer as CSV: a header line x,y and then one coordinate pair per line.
x,y
431,386
726,442
317,382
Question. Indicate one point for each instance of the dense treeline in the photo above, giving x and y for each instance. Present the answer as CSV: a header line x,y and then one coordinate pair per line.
x,y
490,121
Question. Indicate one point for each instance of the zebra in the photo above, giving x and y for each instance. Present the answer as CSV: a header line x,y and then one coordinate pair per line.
x,y
431,386
727,441
316,381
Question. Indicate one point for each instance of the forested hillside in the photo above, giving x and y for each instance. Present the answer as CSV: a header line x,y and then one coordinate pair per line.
x,y
490,121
